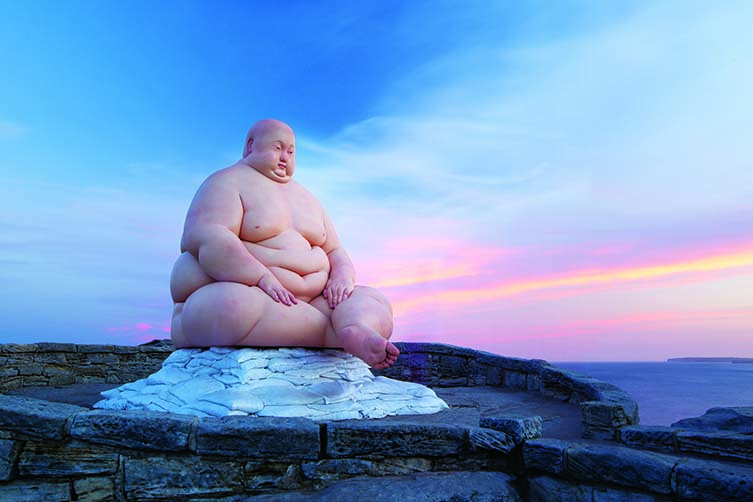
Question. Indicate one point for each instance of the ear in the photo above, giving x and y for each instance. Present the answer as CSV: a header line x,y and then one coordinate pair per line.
x,y
248,146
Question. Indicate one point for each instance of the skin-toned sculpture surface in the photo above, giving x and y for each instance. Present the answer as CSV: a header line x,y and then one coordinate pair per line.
x,y
262,265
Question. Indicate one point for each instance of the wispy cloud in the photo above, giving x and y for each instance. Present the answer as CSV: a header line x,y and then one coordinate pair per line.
x,y
12,130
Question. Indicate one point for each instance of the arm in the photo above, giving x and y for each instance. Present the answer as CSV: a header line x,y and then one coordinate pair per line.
x,y
342,274
211,234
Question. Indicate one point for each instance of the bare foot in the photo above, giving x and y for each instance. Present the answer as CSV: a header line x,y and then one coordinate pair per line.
x,y
369,346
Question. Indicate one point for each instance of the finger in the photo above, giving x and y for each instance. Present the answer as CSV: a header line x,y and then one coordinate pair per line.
x,y
293,299
324,293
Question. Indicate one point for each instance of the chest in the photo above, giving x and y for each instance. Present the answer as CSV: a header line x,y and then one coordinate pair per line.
x,y
271,212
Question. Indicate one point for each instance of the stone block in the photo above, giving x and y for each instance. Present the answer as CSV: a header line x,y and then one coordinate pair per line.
x,y
104,359
32,369
557,383
125,349
482,439
453,382
54,369
18,348
724,444
50,358
622,466
56,347
623,399
518,428
477,374
67,379
260,437
26,491
8,372
516,380
354,439
599,415
533,382
151,430
35,418
522,365
259,475
90,379
402,466
550,489
94,489
546,455
649,437
337,469
93,349
10,383
738,420
711,481
92,370
66,459
35,381
167,478
8,456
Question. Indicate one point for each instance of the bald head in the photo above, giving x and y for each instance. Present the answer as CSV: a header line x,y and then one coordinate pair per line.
x,y
270,149
261,128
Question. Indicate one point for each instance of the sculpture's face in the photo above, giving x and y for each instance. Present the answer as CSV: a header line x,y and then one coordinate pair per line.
x,y
272,152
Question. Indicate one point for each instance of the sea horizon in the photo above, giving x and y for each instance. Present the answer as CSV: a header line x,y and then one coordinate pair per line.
x,y
670,391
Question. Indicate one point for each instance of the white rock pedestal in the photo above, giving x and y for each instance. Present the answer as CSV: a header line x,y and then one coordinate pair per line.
x,y
291,382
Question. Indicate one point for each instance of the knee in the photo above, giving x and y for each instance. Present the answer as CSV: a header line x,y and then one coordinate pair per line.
x,y
376,295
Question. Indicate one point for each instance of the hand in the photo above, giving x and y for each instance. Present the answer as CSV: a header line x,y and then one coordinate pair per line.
x,y
270,285
337,290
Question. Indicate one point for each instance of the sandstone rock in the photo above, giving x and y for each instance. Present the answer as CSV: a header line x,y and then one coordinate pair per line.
x,y
622,466
177,478
491,440
94,489
8,452
35,418
25,491
292,438
650,437
714,481
738,420
286,382
148,430
67,459
545,455
724,444
354,439
518,428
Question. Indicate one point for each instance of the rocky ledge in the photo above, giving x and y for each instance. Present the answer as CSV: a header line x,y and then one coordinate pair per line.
x,y
287,382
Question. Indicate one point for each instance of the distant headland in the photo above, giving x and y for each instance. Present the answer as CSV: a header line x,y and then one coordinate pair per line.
x,y
740,360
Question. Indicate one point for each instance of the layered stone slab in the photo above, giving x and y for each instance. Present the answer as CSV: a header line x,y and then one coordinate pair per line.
x,y
288,382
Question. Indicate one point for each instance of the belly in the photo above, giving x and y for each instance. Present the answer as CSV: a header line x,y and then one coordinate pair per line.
x,y
301,269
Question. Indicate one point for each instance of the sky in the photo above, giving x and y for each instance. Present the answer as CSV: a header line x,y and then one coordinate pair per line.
x,y
565,180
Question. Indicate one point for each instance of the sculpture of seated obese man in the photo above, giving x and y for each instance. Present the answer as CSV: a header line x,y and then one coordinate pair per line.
x,y
262,265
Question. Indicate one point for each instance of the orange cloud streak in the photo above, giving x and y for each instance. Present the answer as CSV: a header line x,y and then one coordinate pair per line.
x,y
581,278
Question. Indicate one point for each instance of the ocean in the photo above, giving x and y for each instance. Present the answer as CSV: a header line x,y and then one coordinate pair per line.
x,y
667,392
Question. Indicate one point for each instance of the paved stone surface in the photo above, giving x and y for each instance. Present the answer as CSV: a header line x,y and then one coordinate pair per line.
x,y
467,406
427,487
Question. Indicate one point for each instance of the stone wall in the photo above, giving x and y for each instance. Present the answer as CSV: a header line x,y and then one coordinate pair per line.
x,y
53,364
53,451
605,407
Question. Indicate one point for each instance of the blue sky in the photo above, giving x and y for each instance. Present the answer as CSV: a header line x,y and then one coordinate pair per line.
x,y
567,180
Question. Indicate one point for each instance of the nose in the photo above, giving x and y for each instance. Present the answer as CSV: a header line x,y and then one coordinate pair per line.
x,y
284,155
